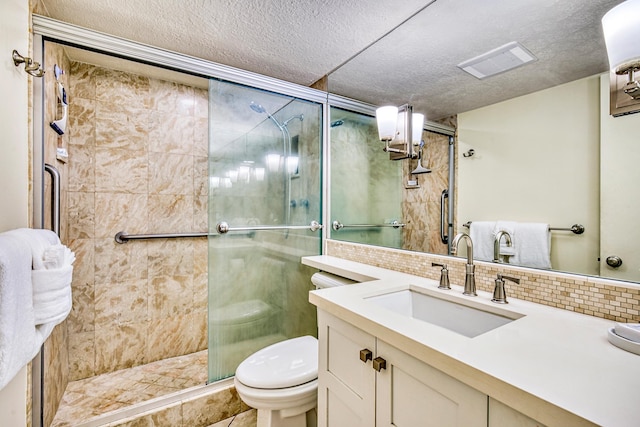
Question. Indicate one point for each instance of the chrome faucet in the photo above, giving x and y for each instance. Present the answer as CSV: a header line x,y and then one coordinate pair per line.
x,y
469,279
496,244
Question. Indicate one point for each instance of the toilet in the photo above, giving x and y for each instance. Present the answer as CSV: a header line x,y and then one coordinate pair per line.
x,y
281,380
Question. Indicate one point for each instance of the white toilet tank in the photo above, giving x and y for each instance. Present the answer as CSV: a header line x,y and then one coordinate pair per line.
x,y
323,280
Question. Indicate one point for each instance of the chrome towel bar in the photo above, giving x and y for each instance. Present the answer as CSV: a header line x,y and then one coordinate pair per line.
x,y
575,228
337,225
222,228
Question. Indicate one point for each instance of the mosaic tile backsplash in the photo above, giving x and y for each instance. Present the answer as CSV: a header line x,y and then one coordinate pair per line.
x,y
607,299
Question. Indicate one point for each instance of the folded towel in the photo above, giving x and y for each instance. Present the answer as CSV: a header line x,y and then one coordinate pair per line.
x,y
19,340
39,241
51,275
57,256
482,236
52,294
532,244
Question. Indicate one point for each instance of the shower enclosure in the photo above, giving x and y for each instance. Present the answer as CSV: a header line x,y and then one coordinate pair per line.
x,y
188,202
264,172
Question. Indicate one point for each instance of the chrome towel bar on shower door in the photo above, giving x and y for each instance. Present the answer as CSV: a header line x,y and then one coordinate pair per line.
x,y
224,228
337,225
221,227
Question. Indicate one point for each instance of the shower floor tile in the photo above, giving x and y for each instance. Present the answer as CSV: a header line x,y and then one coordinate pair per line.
x,y
91,397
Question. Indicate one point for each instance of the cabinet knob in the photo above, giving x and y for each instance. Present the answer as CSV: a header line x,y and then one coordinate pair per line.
x,y
379,364
366,354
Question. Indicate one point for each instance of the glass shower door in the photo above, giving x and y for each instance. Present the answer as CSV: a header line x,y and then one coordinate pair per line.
x,y
265,186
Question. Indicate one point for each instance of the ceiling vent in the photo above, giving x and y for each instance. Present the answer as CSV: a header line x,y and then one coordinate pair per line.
x,y
496,61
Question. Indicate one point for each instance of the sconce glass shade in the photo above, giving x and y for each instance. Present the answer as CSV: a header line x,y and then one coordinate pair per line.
x,y
417,123
621,27
233,175
273,162
292,164
387,118
243,173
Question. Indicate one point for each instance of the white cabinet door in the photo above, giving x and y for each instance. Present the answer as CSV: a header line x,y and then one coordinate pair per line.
x,y
346,385
500,415
411,393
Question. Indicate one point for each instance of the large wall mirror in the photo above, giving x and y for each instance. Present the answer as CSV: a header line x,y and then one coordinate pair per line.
x,y
545,148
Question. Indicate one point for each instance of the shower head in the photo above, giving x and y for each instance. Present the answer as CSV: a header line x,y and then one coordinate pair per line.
x,y
299,116
420,169
257,108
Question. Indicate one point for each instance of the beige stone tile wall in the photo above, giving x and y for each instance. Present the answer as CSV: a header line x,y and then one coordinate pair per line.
x,y
421,206
138,163
56,366
608,299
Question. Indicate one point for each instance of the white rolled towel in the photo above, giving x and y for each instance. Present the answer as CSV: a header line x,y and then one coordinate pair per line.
x,y
51,294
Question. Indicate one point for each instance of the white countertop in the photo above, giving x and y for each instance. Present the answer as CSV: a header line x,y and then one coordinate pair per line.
x,y
547,356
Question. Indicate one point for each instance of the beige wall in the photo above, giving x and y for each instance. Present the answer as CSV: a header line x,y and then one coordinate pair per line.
x,y
14,165
537,160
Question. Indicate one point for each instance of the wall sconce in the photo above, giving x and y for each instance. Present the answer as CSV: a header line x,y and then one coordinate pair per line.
x,y
273,162
243,173
292,164
400,129
621,27
233,175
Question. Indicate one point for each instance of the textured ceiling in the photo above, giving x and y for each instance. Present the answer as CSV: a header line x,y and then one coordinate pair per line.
x,y
383,51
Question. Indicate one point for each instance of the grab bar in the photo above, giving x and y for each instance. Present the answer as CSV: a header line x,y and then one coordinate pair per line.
x,y
123,237
337,225
575,228
443,237
55,197
222,228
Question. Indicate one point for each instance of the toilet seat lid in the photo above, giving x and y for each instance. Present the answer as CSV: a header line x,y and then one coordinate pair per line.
x,y
285,364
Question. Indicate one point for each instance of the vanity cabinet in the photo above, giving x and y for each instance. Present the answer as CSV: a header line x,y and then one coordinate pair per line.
x,y
500,415
363,381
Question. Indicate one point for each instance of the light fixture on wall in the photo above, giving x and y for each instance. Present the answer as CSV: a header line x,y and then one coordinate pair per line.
x,y
400,129
273,162
621,27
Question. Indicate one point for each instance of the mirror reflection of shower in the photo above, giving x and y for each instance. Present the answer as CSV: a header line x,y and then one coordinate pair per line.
x,y
289,159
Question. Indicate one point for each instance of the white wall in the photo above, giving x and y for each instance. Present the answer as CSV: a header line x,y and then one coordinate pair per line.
x,y
537,160
14,164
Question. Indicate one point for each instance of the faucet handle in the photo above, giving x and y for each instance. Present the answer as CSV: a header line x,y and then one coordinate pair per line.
x,y
513,279
444,276
499,292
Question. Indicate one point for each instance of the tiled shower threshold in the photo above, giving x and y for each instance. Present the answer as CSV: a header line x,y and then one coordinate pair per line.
x,y
109,398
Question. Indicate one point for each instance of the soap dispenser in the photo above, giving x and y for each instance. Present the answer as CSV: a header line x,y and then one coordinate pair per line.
x,y
444,276
499,293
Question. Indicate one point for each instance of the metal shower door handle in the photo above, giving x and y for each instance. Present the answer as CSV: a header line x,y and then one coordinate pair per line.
x,y
443,197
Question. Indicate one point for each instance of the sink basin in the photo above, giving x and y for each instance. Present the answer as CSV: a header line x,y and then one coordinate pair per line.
x,y
461,318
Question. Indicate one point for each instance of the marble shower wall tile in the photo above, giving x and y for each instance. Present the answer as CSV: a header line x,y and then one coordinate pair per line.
x,y
138,163
170,173
56,374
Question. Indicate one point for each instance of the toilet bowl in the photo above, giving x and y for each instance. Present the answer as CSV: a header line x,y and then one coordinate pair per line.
x,y
281,381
